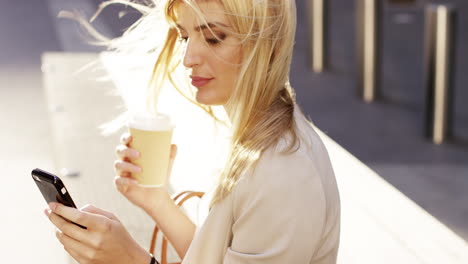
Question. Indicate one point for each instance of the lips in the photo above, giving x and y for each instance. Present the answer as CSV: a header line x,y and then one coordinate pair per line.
x,y
200,81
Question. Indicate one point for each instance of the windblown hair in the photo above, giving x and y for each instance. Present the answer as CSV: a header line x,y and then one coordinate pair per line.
x,y
262,104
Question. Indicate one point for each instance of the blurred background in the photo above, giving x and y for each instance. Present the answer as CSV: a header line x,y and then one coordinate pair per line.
x,y
51,106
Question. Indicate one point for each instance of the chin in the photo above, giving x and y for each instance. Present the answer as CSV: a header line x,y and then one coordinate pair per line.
x,y
209,99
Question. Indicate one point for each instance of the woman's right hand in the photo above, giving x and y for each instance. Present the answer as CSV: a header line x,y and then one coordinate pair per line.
x,y
148,198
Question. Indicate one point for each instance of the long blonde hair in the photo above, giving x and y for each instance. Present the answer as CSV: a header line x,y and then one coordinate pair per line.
x,y
262,103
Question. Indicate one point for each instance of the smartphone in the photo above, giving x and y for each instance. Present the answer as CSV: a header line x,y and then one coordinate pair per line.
x,y
53,189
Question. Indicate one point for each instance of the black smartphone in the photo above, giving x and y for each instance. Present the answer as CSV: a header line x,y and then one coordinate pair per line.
x,y
53,189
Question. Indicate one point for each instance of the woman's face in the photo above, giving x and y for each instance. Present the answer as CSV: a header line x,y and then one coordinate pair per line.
x,y
213,64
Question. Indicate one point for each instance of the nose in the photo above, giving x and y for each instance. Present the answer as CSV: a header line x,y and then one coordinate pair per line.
x,y
192,56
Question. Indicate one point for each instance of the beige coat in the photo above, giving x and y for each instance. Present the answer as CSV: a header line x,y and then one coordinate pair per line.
x,y
287,210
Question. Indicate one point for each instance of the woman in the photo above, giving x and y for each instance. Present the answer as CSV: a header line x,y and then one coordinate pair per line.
x,y
276,200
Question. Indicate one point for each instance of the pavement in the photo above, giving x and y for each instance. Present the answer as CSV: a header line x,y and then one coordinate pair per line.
x,y
387,135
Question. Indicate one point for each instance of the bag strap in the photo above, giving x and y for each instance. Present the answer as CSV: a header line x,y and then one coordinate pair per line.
x,y
179,199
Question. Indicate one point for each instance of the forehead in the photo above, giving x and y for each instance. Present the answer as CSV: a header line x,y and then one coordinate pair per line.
x,y
187,17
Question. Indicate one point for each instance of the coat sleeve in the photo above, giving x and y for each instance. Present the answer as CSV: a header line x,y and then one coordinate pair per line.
x,y
279,214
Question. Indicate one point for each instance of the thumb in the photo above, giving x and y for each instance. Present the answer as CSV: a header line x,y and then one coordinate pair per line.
x,y
173,152
171,160
94,210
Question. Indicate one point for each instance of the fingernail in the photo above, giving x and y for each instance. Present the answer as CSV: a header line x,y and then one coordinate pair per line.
x,y
46,212
52,206
118,180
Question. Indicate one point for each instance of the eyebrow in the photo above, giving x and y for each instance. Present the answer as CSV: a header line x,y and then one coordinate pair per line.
x,y
205,26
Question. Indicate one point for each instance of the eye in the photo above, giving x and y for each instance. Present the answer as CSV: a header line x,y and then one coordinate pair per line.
x,y
214,41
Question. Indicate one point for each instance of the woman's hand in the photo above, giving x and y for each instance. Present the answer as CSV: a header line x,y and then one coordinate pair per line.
x,y
149,198
104,241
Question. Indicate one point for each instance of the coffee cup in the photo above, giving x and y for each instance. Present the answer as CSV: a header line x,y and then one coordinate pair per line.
x,y
151,136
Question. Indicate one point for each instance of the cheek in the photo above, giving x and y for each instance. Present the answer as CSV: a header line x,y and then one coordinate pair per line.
x,y
228,55
225,66
227,82
229,66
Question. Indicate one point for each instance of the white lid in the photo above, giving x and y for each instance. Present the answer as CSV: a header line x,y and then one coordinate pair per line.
x,y
150,122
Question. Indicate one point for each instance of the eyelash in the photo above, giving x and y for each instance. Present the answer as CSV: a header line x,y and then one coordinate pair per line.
x,y
211,41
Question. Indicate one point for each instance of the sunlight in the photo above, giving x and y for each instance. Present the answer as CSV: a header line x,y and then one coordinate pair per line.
x,y
202,146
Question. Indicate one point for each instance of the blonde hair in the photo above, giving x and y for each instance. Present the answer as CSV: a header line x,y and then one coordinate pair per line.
x,y
262,103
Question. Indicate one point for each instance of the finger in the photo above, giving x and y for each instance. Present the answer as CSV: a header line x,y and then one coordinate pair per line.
x,y
126,138
72,246
125,174
75,255
94,210
123,152
58,221
82,218
120,173
124,184
121,166
70,229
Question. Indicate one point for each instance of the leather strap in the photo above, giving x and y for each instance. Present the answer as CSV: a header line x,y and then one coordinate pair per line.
x,y
153,260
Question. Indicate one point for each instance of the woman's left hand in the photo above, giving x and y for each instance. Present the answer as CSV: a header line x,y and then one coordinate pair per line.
x,y
104,241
